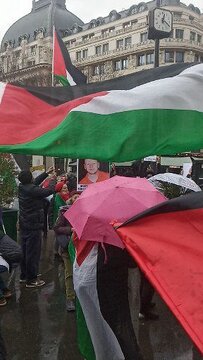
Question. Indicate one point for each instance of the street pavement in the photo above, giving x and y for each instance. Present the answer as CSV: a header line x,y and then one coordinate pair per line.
x,y
36,326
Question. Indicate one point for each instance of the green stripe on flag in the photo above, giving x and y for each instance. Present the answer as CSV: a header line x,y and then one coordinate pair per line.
x,y
83,336
62,80
119,136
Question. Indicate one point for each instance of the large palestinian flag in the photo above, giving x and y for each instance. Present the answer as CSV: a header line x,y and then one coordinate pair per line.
x,y
160,117
167,243
63,69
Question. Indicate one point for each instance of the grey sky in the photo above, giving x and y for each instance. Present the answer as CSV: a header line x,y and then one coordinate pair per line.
x,y
86,10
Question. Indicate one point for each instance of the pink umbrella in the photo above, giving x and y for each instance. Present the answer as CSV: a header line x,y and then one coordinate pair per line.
x,y
113,200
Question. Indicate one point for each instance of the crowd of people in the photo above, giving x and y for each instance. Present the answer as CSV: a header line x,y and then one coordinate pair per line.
x,y
42,204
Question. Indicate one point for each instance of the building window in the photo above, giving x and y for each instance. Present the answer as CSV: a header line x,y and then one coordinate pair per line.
x,y
128,41
143,37
105,31
17,53
179,56
126,25
142,8
119,44
31,63
121,64
105,48
150,58
171,35
85,53
196,58
179,34
78,55
87,37
92,24
177,15
33,49
108,31
133,10
98,50
192,36
133,22
98,70
199,38
141,60
169,56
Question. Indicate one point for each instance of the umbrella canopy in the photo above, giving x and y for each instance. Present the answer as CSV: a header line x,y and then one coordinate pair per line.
x,y
175,179
112,200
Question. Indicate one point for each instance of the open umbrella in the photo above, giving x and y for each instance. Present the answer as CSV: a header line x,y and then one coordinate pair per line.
x,y
112,200
175,179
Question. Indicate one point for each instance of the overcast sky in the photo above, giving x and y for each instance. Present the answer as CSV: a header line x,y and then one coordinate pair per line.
x,y
86,10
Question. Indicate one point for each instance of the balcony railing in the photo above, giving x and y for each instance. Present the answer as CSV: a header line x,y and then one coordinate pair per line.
x,y
194,23
109,35
142,46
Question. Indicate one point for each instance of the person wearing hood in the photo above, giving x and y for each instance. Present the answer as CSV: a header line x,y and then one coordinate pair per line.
x,y
58,200
31,222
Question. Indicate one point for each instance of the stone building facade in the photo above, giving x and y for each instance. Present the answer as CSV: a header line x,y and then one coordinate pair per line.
x,y
104,48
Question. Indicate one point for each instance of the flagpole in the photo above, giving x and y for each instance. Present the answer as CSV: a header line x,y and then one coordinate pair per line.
x,y
52,76
52,79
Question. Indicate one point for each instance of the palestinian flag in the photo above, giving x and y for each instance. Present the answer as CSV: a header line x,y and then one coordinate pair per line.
x,y
63,69
161,117
100,276
166,242
60,94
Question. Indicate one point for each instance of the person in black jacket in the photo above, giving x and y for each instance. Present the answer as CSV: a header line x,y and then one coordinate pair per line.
x,y
31,221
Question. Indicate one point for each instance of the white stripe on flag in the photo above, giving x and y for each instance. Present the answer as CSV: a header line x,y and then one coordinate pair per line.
x,y
105,343
2,89
171,93
4,263
70,79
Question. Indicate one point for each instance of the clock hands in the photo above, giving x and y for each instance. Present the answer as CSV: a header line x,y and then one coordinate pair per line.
x,y
164,21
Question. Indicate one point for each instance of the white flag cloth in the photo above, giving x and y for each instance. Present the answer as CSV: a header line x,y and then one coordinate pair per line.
x,y
4,263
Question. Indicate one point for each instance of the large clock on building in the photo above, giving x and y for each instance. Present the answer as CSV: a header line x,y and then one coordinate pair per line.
x,y
160,23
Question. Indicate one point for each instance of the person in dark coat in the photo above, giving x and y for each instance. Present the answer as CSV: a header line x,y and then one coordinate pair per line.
x,y
31,221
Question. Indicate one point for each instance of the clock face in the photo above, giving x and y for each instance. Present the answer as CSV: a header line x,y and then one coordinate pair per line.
x,y
162,20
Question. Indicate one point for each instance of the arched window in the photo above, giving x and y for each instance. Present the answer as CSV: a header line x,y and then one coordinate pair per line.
x,y
114,15
142,7
133,10
92,24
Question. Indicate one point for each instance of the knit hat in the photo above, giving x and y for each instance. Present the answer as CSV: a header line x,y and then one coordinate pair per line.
x,y
59,186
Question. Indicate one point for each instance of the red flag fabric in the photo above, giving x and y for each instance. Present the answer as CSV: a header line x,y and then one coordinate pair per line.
x,y
63,69
58,61
167,244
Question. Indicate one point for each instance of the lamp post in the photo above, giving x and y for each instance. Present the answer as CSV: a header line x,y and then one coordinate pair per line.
x,y
157,43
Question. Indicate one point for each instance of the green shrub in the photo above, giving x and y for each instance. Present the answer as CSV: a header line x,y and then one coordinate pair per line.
x,y
8,187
